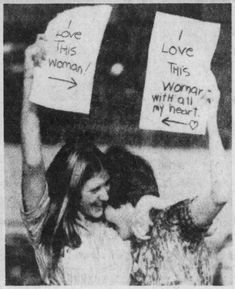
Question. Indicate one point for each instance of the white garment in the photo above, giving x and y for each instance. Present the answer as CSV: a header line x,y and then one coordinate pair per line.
x,y
103,258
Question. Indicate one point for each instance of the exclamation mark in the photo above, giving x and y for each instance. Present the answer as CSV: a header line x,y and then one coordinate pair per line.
x,y
69,23
181,32
87,68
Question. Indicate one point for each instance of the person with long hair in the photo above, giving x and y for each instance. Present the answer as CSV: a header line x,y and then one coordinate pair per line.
x,y
63,207
167,240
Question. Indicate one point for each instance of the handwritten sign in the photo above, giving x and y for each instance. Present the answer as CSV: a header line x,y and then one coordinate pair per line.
x,y
65,79
178,74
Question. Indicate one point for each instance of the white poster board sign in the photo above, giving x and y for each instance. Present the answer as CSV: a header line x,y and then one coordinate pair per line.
x,y
178,73
65,79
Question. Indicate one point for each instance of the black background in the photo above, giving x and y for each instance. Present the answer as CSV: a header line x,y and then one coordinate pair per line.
x,y
116,100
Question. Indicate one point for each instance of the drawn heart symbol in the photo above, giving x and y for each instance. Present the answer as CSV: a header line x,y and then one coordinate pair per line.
x,y
193,124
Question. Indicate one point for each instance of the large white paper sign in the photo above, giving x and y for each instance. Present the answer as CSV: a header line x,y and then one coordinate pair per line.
x,y
65,79
178,74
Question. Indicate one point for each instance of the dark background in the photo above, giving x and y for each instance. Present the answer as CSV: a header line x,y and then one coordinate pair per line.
x,y
116,100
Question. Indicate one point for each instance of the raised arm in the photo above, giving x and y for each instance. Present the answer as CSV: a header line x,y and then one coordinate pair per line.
x,y
205,208
33,170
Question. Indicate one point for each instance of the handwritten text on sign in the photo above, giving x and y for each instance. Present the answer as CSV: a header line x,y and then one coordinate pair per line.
x,y
178,74
65,79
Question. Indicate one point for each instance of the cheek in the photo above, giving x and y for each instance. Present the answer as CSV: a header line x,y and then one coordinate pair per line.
x,y
87,197
124,232
116,217
111,215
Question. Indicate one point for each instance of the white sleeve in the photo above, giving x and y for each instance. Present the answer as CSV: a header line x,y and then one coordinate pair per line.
x,y
35,219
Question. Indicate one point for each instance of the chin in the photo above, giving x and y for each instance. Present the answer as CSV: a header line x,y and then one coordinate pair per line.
x,y
124,236
97,214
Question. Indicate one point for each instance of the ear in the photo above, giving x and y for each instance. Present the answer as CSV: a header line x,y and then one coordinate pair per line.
x,y
141,221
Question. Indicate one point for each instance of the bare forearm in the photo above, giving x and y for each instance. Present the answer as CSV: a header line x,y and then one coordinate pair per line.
x,y
220,179
205,208
30,129
33,170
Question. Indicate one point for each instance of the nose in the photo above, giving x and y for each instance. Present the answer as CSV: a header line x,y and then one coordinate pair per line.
x,y
103,194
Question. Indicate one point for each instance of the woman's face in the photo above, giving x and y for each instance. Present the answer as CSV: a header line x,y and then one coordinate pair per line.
x,y
122,218
94,195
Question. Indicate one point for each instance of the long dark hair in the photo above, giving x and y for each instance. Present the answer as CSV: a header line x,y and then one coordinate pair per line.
x,y
74,164
131,177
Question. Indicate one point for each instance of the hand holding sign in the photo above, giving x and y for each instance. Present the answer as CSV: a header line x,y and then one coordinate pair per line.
x,y
35,54
65,80
210,102
178,74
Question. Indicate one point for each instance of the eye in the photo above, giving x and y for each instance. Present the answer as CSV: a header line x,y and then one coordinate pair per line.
x,y
107,185
95,190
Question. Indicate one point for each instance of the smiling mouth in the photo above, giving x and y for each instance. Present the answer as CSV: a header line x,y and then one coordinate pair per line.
x,y
102,205
98,207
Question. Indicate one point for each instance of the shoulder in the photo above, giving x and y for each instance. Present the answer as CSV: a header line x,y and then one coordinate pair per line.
x,y
178,218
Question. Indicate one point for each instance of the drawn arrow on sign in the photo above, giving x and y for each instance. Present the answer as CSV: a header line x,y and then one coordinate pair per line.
x,y
72,81
167,121
193,124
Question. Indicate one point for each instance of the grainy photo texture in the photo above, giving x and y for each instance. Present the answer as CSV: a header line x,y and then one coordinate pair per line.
x,y
117,133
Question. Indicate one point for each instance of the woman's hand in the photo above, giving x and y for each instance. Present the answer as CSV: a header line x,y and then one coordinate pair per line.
x,y
210,101
34,55
141,221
